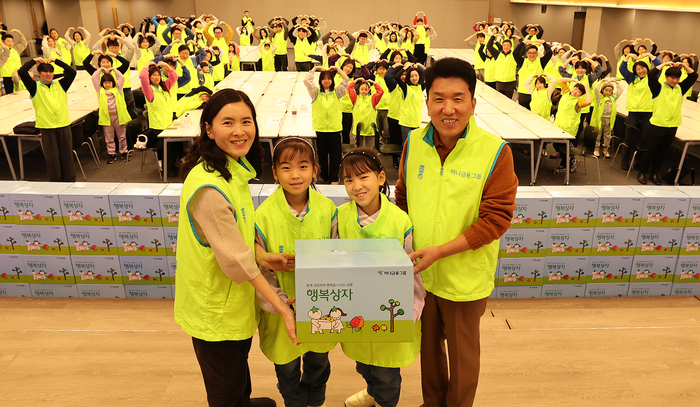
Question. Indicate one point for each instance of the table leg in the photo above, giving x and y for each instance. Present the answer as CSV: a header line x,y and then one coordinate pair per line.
x,y
680,165
539,156
9,161
532,162
165,160
21,158
568,150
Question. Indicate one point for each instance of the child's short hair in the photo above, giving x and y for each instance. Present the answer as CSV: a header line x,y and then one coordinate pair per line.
x,y
480,35
674,72
183,47
362,160
581,88
112,43
107,78
542,80
381,64
107,57
289,148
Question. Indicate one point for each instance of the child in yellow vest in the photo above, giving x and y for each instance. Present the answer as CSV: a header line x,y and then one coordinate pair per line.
x,y
604,112
370,215
364,111
112,110
541,100
267,55
294,211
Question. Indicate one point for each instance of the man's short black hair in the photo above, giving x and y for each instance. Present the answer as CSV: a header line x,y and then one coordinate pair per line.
x,y
362,35
112,43
673,71
182,48
529,47
381,64
480,35
44,68
218,28
6,36
451,68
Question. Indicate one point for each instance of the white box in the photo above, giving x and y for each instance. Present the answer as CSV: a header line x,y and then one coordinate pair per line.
x,y
10,239
652,270
607,289
533,208
690,245
87,203
143,241
618,205
527,271
659,240
255,194
170,241
136,204
8,213
649,289
569,241
170,205
52,276
687,270
614,241
523,243
519,292
335,193
98,276
91,240
146,277
13,281
37,203
565,277
41,239
572,206
693,217
609,270
685,289
663,206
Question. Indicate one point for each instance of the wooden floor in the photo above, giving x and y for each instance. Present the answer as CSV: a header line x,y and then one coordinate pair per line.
x,y
556,352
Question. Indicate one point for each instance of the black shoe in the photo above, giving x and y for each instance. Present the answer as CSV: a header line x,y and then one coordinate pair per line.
x,y
655,179
625,166
112,159
262,402
396,165
642,178
124,157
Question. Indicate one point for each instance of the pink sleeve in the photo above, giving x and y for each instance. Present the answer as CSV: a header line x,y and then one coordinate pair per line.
x,y
172,78
351,92
377,96
146,85
96,80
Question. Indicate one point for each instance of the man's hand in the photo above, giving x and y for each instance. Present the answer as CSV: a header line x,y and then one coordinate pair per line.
x,y
424,258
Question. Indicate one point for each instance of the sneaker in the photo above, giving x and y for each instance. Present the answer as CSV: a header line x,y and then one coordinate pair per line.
x,y
262,402
360,399
125,157
641,178
560,169
112,159
596,152
573,165
625,166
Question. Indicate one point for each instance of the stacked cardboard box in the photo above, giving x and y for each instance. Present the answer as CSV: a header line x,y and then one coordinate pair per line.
x,y
686,279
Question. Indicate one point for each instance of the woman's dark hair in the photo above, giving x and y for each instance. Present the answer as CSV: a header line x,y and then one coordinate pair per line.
x,y
451,68
393,55
639,63
52,30
290,148
630,48
153,69
395,35
107,57
542,80
674,71
362,160
331,76
112,43
205,149
107,78
581,64
348,61
80,34
581,88
408,76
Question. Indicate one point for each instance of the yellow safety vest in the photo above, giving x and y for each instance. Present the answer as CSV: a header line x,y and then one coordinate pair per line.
x,y
667,107
122,113
326,115
411,106
51,106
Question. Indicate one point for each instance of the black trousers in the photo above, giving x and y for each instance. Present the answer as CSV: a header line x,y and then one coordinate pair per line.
x,y
9,84
506,88
281,62
330,153
658,140
130,102
637,129
524,99
347,127
225,370
419,53
58,153
304,66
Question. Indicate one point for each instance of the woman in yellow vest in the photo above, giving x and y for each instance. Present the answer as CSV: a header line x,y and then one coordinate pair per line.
x,y
52,51
13,62
411,87
50,102
112,112
216,271
327,117
622,50
364,111
541,100
63,45
245,36
409,39
294,211
161,23
666,118
370,215
262,34
79,41
149,45
607,91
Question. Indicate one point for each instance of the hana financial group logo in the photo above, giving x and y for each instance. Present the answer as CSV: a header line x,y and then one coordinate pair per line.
x,y
420,171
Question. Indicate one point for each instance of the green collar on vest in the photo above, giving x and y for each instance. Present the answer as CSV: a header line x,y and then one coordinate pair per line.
x,y
430,138
667,85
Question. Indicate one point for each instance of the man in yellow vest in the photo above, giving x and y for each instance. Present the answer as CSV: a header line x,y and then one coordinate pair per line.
x,y
457,183
13,61
304,40
278,25
529,63
666,118
51,105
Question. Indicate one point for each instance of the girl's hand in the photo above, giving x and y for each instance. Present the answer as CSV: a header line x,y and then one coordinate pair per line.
x,y
291,323
277,261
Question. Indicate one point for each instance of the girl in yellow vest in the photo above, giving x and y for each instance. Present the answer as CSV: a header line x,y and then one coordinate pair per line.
x,y
79,41
267,55
541,100
605,111
217,276
233,62
63,45
148,46
14,62
112,110
245,36
294,211
573,101
204,76
327,117
199,42
364,111
409,40
262,34
666,118
370,215
410,82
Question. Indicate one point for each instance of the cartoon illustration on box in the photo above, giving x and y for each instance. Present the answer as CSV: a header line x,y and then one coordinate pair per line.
x,y
520,272
4,212
40,240
653,269
16,275
7,238
50,269
659,241
140,241
170,243
655,217
97,270
569,242
331,322
603,271
523,243
687,270
29,216
566,219
532,208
